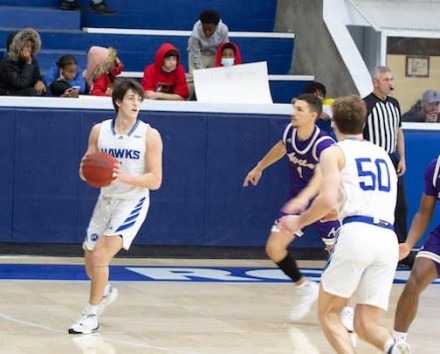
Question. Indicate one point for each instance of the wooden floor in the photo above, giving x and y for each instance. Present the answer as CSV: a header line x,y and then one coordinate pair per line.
x,y
182,316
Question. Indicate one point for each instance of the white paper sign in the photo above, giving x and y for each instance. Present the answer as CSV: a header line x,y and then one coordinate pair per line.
x,y
245,83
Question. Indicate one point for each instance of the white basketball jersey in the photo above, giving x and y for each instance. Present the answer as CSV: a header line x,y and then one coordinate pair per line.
x,y
369,181
129,149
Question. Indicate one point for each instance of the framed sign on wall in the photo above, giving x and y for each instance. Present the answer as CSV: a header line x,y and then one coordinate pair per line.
x,y
417,66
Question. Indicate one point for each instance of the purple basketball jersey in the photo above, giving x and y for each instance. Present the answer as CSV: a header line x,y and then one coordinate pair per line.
x,y
432,188
303,155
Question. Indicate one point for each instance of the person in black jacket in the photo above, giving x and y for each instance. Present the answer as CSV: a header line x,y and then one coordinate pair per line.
x,y
19,71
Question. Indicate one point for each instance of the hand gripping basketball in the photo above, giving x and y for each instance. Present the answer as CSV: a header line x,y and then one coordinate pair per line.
x,y
97,169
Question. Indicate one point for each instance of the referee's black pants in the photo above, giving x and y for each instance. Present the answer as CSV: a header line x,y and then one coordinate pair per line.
x,y
401,211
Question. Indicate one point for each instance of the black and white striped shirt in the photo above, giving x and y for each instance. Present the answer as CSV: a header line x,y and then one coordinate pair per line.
x,y
383,122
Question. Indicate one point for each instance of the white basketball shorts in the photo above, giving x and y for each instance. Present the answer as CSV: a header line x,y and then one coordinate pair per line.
x,y
362,264
113,216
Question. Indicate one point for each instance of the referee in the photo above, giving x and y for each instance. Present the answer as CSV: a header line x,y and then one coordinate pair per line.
x,y
383,127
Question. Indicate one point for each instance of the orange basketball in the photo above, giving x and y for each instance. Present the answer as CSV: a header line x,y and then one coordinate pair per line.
x,y
97,169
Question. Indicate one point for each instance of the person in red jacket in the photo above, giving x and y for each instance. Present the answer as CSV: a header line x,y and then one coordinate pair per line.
x,y
165,79
103,66
228,54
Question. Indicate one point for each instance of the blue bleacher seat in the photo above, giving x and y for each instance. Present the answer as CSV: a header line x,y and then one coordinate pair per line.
x,y
62,32
138,51
245,15
39,17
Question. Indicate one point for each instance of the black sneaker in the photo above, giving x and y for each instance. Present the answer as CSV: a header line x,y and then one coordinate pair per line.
x,y
69,5
101,8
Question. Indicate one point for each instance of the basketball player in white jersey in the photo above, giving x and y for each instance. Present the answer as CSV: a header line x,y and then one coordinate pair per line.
x,y
123,205
358,178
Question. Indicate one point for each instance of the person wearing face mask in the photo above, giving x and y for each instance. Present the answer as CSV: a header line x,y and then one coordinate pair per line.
x,y
228,54
165,78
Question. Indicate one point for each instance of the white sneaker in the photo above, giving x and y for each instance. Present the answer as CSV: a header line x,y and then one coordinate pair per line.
x,y
347,316
305,296
400,348
108,299
87,324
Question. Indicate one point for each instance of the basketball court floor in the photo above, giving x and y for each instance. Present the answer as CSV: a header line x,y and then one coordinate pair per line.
x,y
175,306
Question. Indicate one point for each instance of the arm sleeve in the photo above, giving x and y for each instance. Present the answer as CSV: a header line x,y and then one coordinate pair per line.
x,y
100,86
224,32
51,75
117,69
147,80
194,52
79,81
19,79
181,88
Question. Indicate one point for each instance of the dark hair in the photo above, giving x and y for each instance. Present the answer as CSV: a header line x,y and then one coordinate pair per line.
x,y
229,45
316,87
314,102
171,53
65,60
210,16
121,88
349,114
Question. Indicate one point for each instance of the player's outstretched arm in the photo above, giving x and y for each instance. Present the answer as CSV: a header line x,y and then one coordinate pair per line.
x,y
419,224
274,154
332,160
301,201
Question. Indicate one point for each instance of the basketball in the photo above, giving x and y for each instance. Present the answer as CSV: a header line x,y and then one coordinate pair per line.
x,y
97,169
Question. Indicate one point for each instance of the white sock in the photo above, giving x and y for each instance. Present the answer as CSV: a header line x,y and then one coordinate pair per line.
x,y
92,309
107,290
400,336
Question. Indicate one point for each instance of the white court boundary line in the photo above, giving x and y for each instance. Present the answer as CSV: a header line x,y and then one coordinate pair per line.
x,y
106,340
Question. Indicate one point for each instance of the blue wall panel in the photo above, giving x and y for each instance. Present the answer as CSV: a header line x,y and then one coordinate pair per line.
x,y
177,211
421,147
201,202
45,176
7,148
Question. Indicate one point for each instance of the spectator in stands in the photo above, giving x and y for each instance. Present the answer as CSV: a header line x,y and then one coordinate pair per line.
x,y
98,6
228,54
19,71
208,33
103,66
65,77
324,120
425,109
165,78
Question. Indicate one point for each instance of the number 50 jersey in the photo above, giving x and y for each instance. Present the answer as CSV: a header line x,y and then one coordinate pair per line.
x,y
368,181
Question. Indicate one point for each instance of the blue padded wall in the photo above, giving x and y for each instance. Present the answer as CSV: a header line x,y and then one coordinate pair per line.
x,y
201,201
45,175
7,148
